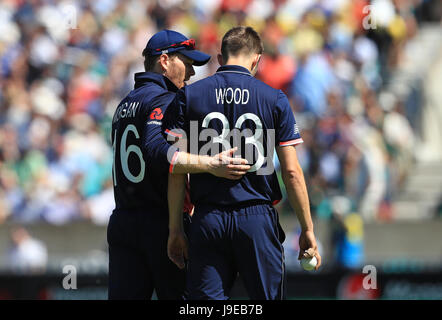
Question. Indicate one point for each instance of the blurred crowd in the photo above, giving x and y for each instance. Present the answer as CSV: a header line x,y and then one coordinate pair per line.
x,y
64,67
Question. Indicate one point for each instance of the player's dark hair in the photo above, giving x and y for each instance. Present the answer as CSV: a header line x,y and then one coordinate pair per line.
x,y
150,61
241,40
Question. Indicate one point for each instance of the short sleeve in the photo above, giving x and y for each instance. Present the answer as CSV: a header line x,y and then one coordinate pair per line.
x,y
157,150
287,131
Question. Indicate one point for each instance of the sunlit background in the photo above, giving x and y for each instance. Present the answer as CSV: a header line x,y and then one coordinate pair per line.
x,y
364,79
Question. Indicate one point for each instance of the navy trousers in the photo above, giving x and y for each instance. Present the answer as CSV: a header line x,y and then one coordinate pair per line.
x,y
226,242
138,261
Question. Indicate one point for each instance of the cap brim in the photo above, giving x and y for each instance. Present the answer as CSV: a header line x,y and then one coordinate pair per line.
x,y
199,58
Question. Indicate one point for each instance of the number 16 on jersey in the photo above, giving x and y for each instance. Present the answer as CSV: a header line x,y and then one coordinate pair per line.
x,y
125,151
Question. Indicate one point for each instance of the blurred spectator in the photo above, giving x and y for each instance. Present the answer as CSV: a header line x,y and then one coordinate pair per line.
x,y
311,84
26,254
276,70
348,234
99,207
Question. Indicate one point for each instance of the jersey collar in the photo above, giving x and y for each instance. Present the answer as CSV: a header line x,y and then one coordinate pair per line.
x,y
234,69
141,78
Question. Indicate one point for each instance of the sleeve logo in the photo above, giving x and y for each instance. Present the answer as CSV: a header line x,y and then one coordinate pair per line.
x,y
156,114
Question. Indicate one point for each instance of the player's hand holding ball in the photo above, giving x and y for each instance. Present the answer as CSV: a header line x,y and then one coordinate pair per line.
x,y
308,262
309,256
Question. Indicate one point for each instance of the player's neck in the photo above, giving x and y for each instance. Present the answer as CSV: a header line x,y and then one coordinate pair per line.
x,y
242,61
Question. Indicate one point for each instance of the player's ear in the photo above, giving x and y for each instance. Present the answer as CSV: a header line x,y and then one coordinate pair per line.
x,y
220,59
164,62
255,63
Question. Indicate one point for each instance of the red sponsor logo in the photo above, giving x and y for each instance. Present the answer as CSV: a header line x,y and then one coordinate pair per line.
x,y
156,114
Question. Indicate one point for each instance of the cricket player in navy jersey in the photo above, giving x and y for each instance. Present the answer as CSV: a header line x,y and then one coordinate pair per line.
x,y
235,228
138,227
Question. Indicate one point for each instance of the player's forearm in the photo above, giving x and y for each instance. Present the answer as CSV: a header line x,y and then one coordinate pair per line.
x,y
175,198
191,163
298,196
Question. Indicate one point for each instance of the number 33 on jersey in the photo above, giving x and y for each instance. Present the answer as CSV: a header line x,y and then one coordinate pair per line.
x,y
233,109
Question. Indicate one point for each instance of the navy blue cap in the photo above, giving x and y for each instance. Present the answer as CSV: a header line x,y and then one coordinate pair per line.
x,y
168,41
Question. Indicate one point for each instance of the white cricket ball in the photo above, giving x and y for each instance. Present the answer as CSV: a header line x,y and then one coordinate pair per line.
x,y
308,264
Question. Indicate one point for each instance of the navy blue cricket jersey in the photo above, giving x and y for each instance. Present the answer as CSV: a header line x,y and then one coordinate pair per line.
x,y
140,182
233,109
